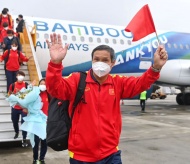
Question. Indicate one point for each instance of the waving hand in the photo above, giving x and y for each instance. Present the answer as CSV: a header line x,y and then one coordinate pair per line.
x,y
57,51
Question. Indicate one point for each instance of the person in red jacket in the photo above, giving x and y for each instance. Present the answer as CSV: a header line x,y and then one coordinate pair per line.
x,y
17,110
12,65
3,32
45,97
5,17
96,125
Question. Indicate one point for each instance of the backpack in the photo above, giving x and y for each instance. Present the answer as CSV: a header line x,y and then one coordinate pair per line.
x,y
59,122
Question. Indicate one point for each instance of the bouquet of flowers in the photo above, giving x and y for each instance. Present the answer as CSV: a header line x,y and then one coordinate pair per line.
x,y
35,121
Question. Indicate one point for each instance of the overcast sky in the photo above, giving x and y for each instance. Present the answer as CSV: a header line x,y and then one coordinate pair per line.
x,y
167,14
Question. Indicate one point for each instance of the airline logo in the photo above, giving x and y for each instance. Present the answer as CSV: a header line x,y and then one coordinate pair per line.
x,y
80,29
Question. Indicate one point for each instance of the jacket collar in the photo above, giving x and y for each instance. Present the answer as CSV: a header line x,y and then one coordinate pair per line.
x,y
91,79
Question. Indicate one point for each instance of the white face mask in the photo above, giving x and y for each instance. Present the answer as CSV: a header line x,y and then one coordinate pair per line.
x,y
20,78
6,28
14,48
10,37
4,15
42,87
101,68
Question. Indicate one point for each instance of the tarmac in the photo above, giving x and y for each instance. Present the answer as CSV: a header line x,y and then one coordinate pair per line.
x,y
161,135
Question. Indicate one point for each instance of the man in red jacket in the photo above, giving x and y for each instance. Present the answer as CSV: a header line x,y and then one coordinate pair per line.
x,y
96,125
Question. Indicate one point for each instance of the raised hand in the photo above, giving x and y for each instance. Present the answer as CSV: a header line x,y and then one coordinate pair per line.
x,y
160,57
57,51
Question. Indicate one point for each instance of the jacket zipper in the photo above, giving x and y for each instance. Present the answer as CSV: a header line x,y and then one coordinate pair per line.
x,y
99,89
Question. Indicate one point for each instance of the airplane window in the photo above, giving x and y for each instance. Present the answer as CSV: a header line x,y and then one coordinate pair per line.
x,y
98,40
37,35
181,46
46,36
114,41
82,38
106,40
90,39
64,37
129,42
169,45
175,45
187,46
73,38
121,41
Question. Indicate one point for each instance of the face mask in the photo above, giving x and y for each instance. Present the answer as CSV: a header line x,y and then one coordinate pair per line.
x,y
20,78
14,48
100,68
6,28
10,37
4,15
42,87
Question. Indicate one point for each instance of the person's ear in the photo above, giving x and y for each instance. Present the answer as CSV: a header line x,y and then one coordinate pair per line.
x,y
112,64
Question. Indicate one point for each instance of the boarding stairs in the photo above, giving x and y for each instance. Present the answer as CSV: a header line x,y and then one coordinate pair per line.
x,y
32,72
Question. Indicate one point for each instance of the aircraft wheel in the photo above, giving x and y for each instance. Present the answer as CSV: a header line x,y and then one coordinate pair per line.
x,y
179,99
187,99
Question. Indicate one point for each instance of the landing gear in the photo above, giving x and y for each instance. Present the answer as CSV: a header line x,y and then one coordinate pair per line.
x,y
183,98
187,99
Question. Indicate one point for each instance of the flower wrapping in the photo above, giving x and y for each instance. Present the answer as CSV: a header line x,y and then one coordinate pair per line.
x,y
35,121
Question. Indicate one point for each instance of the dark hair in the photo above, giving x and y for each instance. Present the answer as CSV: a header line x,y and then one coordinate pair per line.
x,y
14,42
10,32
20,16
106,48
41,81
4,11
5,24
20,73
17,19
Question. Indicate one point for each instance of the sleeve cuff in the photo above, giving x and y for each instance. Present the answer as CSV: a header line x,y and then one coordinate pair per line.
x,y
152,72
55,65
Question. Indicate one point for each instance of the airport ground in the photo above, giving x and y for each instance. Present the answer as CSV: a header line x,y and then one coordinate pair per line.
x,y
159,136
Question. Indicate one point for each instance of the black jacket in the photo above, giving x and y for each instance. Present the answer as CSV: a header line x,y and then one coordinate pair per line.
x,y
20,26
8,43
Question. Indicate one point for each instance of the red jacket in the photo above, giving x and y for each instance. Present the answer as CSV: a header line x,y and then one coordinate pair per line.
x,y
13,61
96,124
7,19
18,86
44,97
3,34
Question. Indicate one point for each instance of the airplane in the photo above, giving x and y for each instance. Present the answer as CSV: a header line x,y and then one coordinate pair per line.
x,y
132,58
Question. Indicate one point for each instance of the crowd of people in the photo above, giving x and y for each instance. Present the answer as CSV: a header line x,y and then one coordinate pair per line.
x,y
13,58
